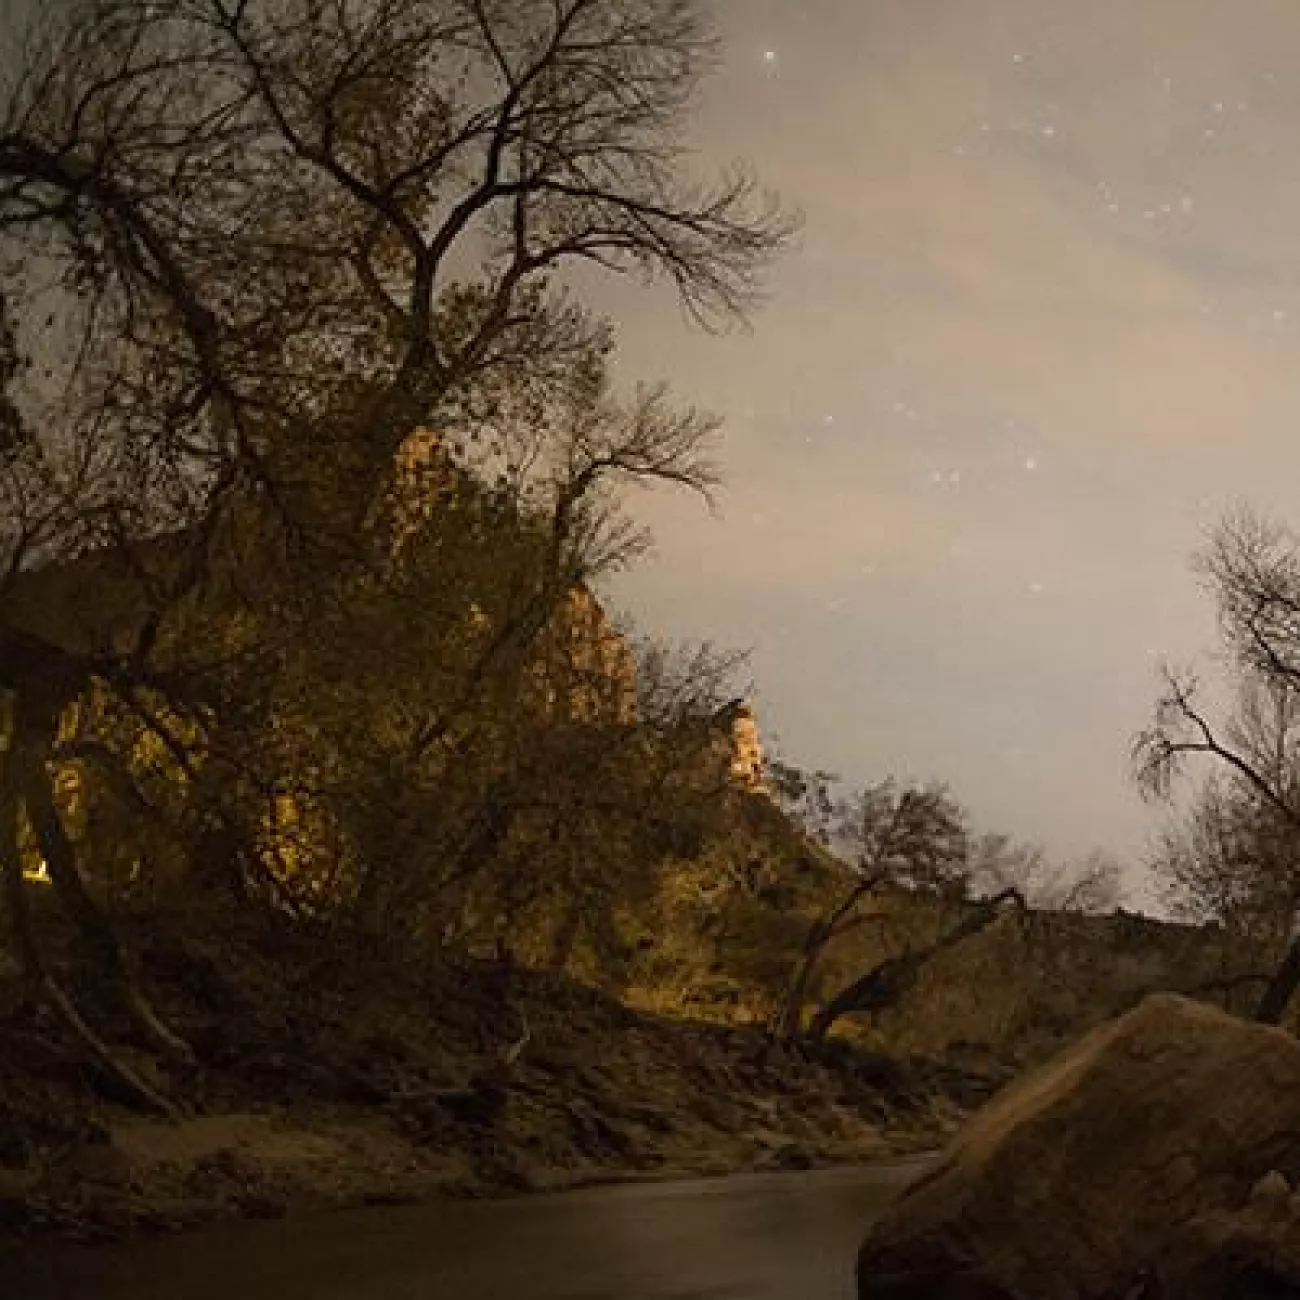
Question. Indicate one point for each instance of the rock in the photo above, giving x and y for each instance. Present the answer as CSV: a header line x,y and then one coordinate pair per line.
x,y
1094,1175
1272,1192
102,1163
1274,1186
786,1156
1250,1254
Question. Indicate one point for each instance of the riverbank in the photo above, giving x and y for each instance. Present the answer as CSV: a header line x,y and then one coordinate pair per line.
x,y
321,1082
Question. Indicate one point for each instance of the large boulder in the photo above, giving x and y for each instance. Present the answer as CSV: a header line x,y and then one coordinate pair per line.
x,y
1123,1168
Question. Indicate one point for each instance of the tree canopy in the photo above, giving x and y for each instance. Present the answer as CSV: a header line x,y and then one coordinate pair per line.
x,y
306,445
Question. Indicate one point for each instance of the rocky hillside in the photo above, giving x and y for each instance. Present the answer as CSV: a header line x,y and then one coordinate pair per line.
x,y
1032,982
322,1081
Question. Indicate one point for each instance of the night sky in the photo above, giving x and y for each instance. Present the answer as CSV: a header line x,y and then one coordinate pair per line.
x,y
1042,331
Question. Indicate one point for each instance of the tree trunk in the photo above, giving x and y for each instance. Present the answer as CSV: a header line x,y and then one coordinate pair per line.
x,y
828,926
880,988
29,952
1277,996
789,1019
11,865
886,984
31,741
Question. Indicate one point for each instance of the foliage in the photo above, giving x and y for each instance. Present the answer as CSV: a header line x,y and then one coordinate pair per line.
x,y
267,631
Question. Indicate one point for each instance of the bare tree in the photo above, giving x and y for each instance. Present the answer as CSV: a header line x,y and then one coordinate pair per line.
x,y
1090,885
889,981
1237,852
908,837
314,228
1227,860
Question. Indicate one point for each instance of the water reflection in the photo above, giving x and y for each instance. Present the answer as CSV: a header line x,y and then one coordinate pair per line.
x,y
761,1237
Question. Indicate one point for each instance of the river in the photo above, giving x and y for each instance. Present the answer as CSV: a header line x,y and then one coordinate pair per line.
x,y
787,1236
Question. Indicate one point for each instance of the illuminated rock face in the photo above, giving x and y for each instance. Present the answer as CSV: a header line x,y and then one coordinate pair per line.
x,y
746,750
600,667
587,671
598,680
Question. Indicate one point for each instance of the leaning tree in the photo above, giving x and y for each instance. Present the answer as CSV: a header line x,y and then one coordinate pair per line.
x,y
891,836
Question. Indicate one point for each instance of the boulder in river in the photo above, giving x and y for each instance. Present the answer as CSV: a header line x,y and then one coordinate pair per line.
x,y
1150,1159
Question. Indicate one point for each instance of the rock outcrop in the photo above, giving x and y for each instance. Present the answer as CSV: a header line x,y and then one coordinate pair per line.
x,y
1153,1158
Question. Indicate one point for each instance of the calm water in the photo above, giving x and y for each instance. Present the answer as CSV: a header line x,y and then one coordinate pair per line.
x,y
789,1236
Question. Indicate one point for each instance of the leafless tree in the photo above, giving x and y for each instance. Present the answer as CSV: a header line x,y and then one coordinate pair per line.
x,y
1090,885
908,837
1237,852
312,228
889,981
